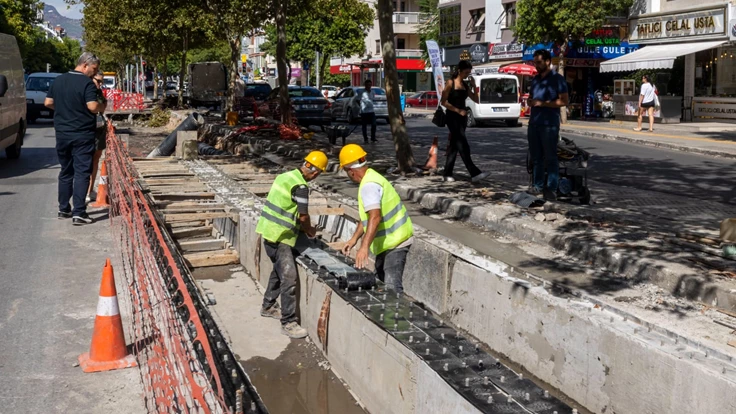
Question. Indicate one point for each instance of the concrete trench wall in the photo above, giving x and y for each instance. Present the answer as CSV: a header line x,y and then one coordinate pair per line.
x,y
594,356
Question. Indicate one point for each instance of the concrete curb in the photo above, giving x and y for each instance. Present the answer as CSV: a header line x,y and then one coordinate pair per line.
x,y
675,147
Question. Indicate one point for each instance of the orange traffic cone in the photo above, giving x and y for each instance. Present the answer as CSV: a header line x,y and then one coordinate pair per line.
x,y
432,157
102,188
107,351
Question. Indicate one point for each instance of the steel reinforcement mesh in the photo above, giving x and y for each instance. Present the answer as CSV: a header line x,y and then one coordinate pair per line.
x,y
184,362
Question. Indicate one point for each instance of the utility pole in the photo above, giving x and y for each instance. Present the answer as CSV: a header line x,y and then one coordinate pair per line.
x,y
48,67
318,80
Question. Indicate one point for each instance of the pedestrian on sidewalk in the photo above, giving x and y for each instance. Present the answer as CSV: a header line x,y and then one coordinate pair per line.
x,y
646,103
100,135
454,94
367,112
285,213
547,94
386,228
73,97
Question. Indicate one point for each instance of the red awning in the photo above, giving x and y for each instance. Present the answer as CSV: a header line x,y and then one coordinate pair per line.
x,y
401,64
518,69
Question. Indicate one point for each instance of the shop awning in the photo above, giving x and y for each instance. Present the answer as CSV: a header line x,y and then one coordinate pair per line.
x,y
655,57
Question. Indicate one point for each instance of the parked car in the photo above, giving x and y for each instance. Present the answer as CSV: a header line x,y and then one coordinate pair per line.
x,y
172,89
258,91
423,100
310,106
499,100
12,96
37,87
330,90
347,104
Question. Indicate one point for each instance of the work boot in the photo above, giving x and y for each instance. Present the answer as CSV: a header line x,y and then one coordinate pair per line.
x,y
293,330
272,312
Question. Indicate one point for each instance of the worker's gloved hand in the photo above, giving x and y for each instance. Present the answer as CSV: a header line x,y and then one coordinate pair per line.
x,y
348,247
361,259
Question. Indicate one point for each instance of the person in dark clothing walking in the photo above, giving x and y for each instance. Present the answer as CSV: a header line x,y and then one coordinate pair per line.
x,y
73,97
547,94
454,94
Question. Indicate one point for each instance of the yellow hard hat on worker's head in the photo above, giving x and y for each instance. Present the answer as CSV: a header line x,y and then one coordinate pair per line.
x,y
350,154
318,159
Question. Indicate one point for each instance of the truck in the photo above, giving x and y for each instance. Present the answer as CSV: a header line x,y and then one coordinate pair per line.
x,y
110,80
207,84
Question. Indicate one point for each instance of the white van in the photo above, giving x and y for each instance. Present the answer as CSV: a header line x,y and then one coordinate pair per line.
x,y
499,100
12,97
37,87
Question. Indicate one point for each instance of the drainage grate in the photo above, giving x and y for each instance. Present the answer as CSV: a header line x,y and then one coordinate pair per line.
x,y
479,377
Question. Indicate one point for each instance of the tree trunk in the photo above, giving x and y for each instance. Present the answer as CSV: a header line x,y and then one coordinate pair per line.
x,y
183,71
165,75
155,82
323,65
404,154
282,63
235,42
561,71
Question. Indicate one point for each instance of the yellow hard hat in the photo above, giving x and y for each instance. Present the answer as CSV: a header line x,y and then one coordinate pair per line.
x,y
317,159
351,153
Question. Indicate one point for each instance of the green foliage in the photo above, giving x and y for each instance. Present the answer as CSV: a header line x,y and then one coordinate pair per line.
x,y
331,27
429,29
330,79
17,18
62,56
559,20
215,52
159,117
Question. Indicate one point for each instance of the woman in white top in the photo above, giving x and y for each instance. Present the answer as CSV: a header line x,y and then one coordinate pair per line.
x,y
646,102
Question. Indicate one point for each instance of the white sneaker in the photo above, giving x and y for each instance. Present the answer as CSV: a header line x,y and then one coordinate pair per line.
x,y
480,176
293,330
448,179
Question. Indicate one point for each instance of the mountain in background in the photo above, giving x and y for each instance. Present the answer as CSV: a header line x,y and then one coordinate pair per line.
x,y
73,27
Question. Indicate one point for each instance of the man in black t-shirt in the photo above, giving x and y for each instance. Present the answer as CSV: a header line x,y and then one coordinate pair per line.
x,y
73,97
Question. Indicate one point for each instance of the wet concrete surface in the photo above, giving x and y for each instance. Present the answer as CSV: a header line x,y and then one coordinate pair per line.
x,y
300,381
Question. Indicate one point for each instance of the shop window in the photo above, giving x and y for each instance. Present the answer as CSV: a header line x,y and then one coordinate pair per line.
x,y
477,22
378,47
725,66
450,26
403,6
400,43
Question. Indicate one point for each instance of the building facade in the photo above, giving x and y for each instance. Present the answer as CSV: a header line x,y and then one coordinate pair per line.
x,y
462,30
698,39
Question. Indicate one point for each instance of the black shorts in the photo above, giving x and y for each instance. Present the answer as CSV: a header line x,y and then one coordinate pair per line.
x,y
100,138
647,104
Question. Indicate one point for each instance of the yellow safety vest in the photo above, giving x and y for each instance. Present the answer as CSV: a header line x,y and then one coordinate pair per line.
x,y
279,222
395,226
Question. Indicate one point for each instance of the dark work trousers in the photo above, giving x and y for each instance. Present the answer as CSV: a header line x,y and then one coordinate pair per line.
x,y
458,144
543,150
75,157
368,118
390,268
282,281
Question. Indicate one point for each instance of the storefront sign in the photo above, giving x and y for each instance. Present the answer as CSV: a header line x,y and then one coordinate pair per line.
x,y
583,63
732,31
478,53
528,54
674,27
578,50
721,108
475,53
505,51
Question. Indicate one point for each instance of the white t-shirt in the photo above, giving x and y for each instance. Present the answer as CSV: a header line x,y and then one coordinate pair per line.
x,y
647,90
371,194
366,102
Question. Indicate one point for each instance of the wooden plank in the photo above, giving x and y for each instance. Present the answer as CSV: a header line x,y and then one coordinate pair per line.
x,y
184,196
165,174
201,245
183,224
732,343
180,233
214,258
193,209
197,216
326,211
167,204
171,181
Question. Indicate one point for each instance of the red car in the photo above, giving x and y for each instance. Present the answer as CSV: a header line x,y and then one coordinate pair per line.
x,y
423,100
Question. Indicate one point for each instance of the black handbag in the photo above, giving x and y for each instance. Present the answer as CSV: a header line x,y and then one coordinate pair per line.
x,y
439,117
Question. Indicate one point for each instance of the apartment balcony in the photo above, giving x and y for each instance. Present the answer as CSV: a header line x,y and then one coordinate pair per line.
x,y
406,23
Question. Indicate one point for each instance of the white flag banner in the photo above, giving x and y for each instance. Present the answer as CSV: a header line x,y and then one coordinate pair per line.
x,y
435,59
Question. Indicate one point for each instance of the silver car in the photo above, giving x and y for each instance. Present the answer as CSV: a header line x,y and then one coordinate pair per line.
x,y
347,104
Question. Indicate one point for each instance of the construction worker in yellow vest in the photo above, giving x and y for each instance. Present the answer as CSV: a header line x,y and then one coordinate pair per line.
x,y
284,214
385,224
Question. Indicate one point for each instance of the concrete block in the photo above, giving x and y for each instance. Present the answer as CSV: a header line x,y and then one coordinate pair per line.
x,y
434,395
181,137
249,245
600,364
426,274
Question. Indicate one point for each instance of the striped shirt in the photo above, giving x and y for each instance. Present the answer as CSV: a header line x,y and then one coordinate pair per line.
x,y
300,195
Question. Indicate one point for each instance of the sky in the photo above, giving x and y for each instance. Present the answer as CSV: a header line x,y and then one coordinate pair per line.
x,y
75,12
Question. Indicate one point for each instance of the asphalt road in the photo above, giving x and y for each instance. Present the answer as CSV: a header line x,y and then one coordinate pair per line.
x,y
49,284
614,162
